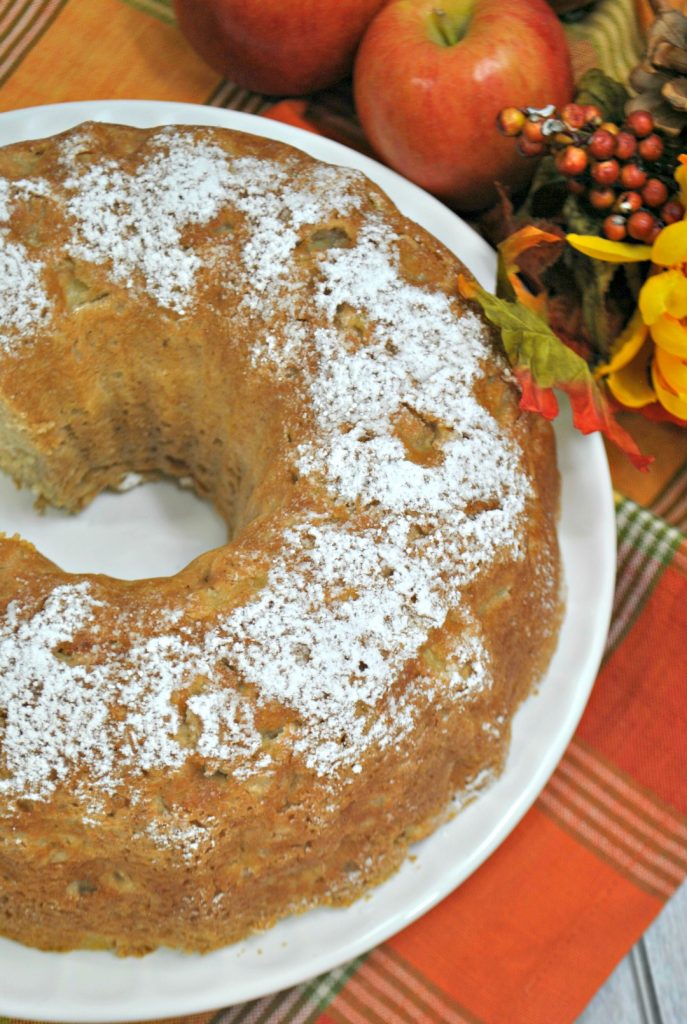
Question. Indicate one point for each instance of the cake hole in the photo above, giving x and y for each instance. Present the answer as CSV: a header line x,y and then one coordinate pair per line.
x,y
153,529
422,437
75,291
354,326
302,654
333,237
118,880
189,731
81,888
71,653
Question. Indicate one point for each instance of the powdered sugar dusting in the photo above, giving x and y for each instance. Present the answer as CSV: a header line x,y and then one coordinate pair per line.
x,y
130,220
188,836
418,359
353,598
332,630
276,212
55,713
229,734
134,223
5,200
23,298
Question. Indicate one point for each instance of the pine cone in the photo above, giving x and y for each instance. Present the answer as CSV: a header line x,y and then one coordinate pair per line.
x,y
660,81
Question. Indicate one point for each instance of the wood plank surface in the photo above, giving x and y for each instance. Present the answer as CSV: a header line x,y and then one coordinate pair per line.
x,y
666,948
650,985
617,1001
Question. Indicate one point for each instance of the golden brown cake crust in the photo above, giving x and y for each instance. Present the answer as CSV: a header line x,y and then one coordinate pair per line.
x,y
186,759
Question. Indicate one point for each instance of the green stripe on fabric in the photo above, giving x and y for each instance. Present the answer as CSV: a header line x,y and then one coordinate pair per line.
x,y
232,97
589,837
18,11
439,1002
303,1004
269,1008
613,32
646,546
629,526
160,9
221,94
671,503
648,533
42,17
626,520
323,989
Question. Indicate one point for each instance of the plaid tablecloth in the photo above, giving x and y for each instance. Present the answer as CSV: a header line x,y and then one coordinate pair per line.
x,y
531,936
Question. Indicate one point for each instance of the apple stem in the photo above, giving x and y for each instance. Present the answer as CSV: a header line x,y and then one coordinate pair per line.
x,y
448,30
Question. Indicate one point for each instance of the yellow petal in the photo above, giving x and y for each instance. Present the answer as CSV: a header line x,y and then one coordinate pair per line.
x,y
611,252
674,402
681,179
677,300
670,334
631,384
673,370
663,293
670,247
626,346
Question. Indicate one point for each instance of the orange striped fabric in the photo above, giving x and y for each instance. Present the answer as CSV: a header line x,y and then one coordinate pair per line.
x,y
534,932
639,836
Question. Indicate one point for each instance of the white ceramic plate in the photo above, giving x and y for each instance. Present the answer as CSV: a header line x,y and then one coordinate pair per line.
x,y
86,986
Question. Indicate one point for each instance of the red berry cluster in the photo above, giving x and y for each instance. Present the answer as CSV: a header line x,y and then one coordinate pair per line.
x,y
619,170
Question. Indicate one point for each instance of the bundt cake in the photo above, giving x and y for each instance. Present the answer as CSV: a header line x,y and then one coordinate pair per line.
x,y
187,759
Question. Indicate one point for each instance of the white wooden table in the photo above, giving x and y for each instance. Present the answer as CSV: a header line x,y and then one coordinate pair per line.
x,y
650,985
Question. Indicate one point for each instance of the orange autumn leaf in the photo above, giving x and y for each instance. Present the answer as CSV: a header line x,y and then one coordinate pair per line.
x,y
542,362
510,250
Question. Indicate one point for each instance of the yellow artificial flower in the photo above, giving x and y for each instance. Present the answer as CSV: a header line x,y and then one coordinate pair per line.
x,y
673,370
671,399
649,359
681,178
663,298
611,252
626,371
631,384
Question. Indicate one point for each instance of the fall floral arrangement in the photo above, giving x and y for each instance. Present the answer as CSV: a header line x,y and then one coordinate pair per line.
x,y
592,282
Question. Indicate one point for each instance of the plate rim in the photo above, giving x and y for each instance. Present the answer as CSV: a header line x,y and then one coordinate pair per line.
x,y
67,1004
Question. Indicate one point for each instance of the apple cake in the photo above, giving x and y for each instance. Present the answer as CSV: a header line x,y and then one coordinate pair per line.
x,y
184,760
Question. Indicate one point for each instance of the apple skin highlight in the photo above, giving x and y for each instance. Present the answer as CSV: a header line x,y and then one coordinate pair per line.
x,y
278,47
429,105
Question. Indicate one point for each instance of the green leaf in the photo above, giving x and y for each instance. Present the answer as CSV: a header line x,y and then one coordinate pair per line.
x,y
547,192
592,277
530,342
594,280
541,362
604,92
578,220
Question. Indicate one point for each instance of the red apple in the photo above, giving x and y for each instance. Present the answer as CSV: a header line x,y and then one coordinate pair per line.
x,y
281,47
431,76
